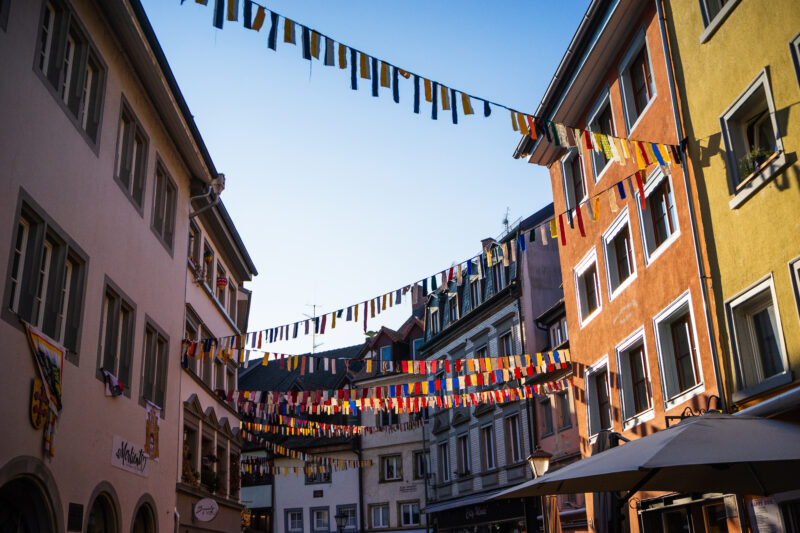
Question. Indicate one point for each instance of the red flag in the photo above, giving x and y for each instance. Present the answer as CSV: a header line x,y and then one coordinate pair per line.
x,y
561,230
640,186
580,220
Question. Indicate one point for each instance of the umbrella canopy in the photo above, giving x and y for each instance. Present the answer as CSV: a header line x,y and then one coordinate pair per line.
x,y
709,453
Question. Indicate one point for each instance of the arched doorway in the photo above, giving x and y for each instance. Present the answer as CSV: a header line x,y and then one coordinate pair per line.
x,y
102,518
24,508
144,521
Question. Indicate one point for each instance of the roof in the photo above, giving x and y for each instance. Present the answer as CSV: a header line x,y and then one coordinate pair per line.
x,y
545,213
556,310
273,378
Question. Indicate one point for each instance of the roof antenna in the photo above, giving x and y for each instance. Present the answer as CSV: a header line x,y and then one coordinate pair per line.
x,y
313,317
505,219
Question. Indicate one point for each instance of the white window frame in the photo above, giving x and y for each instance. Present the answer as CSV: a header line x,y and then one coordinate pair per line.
x,y
289,525
314,516
18,276
502,350
568,180
562,408
464,452
794,272
622,220
747,188
474,296
580,269
384,515
593,419
434,321
626,83
488,446
411,505
397,467
669,312
712,24
742,299
625,394
654,180
794,50
45,50
605,98
515,440
381,351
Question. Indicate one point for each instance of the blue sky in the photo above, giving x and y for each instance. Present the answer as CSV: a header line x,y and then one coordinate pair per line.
x,y
340,196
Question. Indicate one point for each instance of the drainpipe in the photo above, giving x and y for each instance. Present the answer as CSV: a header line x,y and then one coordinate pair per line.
x,y
213,192
360,486
425,474
692,216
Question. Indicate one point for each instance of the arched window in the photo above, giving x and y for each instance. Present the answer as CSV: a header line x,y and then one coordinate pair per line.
x,y
145,521
102,518
24,508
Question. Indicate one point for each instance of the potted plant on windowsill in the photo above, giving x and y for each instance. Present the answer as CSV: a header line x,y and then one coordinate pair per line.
x,y
750,163
209,479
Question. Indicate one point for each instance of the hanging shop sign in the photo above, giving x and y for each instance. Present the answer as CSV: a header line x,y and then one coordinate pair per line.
x,y
128,456
206,510
152,416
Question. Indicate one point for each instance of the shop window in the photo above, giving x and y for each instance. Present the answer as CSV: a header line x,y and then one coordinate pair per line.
x,y
46,278
116,336
513,440
463,460
164,204
409,514
574,178
587,287
752,141
634,378
659,223
71,66
618,250
676,340
379,515
488,454
636,80
154,379
601,120
757,339
599,400
391,468
444,462
131,158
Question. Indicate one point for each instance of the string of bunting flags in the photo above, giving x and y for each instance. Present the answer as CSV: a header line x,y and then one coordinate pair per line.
x,y
337,430
385,75
262,465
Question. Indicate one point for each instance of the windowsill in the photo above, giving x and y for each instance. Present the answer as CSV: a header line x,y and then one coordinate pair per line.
x,y
632,128
650,258
621,287
548,434
565,428
684,396
167,246
585,321
640,418
753,183
717,21
768,384
390,480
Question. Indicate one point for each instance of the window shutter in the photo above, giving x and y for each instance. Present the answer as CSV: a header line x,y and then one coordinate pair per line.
x,y
29,276
52,300
125,349
149,374
161,373
72,319
110,341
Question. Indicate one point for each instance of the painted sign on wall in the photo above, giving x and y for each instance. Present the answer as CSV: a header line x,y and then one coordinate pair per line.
x,y
128,456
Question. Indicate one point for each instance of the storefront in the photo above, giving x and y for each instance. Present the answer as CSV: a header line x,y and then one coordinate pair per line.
x,y
479,514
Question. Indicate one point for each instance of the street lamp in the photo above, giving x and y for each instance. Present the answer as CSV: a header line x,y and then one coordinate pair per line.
x,y
341,521
539,461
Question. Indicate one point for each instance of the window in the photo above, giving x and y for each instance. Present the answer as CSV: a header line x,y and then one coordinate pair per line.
x,y
154,379
513,440
434,321
388,418
756,337
475,293
453,307
116,336
564,413
574,178
497,274
416,345
71,66
219,374
794,48
676,340
558,333
634,378
599,404
386,353
206,362
164,198
587,287
636,80
379,515
230,379
420,464
294,520
444,462
547,416
318,477
349,511
45,281
463,455
487,447
620,265
4,5
601,120
392,468
409,514
231,300
131,156
752,140
505,345
221,275
659,224
208,259
319,519
194,245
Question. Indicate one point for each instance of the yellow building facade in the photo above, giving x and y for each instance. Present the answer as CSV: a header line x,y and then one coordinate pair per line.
x,y
738,81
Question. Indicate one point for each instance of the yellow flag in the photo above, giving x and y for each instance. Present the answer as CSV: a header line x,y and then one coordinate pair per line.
x,y
553,228
355,313
384,74
596,213
466,104
428,91
259,20
639,159
342,56
333,320
514,121
522,125
403,73
364,66
288,31
315,44
445,97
